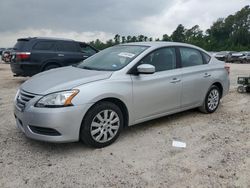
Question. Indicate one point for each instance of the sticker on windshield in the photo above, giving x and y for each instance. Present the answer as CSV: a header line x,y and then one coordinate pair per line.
x,y
126,54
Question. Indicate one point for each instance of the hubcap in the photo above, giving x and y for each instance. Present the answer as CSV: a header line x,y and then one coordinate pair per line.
x,y
213,99
105,126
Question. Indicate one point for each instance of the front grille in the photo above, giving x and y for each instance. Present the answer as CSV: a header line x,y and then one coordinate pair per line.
x,y
23,98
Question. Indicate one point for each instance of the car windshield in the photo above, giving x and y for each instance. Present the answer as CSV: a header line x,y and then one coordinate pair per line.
x,y
113,58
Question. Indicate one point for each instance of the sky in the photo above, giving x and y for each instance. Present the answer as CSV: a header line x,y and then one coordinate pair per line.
x,y
87,20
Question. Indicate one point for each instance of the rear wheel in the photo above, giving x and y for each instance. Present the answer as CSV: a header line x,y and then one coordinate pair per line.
x,y
241,89
244,61
212,100
102,125
48,67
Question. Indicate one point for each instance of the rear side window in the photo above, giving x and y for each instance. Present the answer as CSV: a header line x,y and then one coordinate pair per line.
x,y
67,47
44,45
190,57
206,57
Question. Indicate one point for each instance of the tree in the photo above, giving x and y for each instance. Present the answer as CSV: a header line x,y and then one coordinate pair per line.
x,y
179,34
129,38
123,39
195,36
140,38
117,39
165,37
134,39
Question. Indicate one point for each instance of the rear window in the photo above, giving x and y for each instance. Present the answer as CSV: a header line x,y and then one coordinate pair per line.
x,y
20,45
44,45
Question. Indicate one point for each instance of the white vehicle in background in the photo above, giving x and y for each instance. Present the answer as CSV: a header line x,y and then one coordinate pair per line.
x,y
245,58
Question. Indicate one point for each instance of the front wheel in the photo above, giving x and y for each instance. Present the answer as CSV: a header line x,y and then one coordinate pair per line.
x,y
212,100
102,125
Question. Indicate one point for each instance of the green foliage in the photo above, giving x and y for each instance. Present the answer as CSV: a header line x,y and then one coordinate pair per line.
x,y
179,34
231,33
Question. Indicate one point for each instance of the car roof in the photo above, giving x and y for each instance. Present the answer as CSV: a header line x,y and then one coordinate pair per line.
x,y
44,38
158,44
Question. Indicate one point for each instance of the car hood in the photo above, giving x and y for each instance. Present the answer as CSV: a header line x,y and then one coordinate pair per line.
x,y
62,79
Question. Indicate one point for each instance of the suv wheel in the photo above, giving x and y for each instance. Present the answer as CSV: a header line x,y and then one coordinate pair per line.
x,y
212,100
102,125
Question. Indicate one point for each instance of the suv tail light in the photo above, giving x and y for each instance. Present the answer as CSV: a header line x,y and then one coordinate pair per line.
x,y
22,55
227,67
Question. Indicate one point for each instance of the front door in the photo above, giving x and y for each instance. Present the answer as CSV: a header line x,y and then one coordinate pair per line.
x,y
158,93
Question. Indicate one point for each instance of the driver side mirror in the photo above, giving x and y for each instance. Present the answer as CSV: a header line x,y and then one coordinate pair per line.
x,y
146,69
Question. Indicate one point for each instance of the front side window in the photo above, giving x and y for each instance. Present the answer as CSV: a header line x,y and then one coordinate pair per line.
x,y
87,49
163,59
113,58
190,57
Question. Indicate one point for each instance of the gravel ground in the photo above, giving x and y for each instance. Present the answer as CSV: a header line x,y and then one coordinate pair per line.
x,y
217,152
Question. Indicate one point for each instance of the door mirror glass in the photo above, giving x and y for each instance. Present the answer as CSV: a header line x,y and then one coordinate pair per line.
x,y
146,69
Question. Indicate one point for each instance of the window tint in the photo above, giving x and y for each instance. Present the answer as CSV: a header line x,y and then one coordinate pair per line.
x,y
20,45
45,45
67,47
190,57
163,59
206,57
87,49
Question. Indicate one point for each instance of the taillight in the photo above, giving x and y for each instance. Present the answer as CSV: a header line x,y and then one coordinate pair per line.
x,y
227,67
22,55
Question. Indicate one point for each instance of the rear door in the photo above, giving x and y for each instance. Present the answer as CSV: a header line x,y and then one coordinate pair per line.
x,y
68,52
196,76
42,51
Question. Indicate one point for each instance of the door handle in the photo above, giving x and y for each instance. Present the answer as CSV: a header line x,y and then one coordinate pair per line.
x,y
175,80
206,75
60,55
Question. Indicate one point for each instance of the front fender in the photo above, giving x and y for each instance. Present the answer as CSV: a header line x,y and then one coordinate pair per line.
x,y
93,92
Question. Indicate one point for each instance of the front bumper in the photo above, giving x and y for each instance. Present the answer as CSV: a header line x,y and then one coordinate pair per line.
x,y
66,121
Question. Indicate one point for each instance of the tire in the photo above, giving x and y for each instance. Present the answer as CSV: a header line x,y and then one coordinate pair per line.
x,y
211,101
52,66
241,89
98,131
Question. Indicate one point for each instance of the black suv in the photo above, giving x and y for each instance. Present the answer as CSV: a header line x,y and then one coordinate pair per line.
x,y
33,55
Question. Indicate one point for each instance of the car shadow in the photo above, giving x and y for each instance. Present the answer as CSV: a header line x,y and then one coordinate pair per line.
x,y
159,122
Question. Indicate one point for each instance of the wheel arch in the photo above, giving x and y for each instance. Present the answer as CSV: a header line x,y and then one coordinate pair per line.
x,y
219,85
117,102
49,63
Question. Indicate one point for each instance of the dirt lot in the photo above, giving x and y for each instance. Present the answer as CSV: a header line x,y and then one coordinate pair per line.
x,y
217,152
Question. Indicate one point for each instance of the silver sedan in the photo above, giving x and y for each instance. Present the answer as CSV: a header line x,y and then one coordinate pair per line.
x,y
120,86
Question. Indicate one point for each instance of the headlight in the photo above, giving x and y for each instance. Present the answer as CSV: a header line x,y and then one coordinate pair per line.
x,y
59,99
